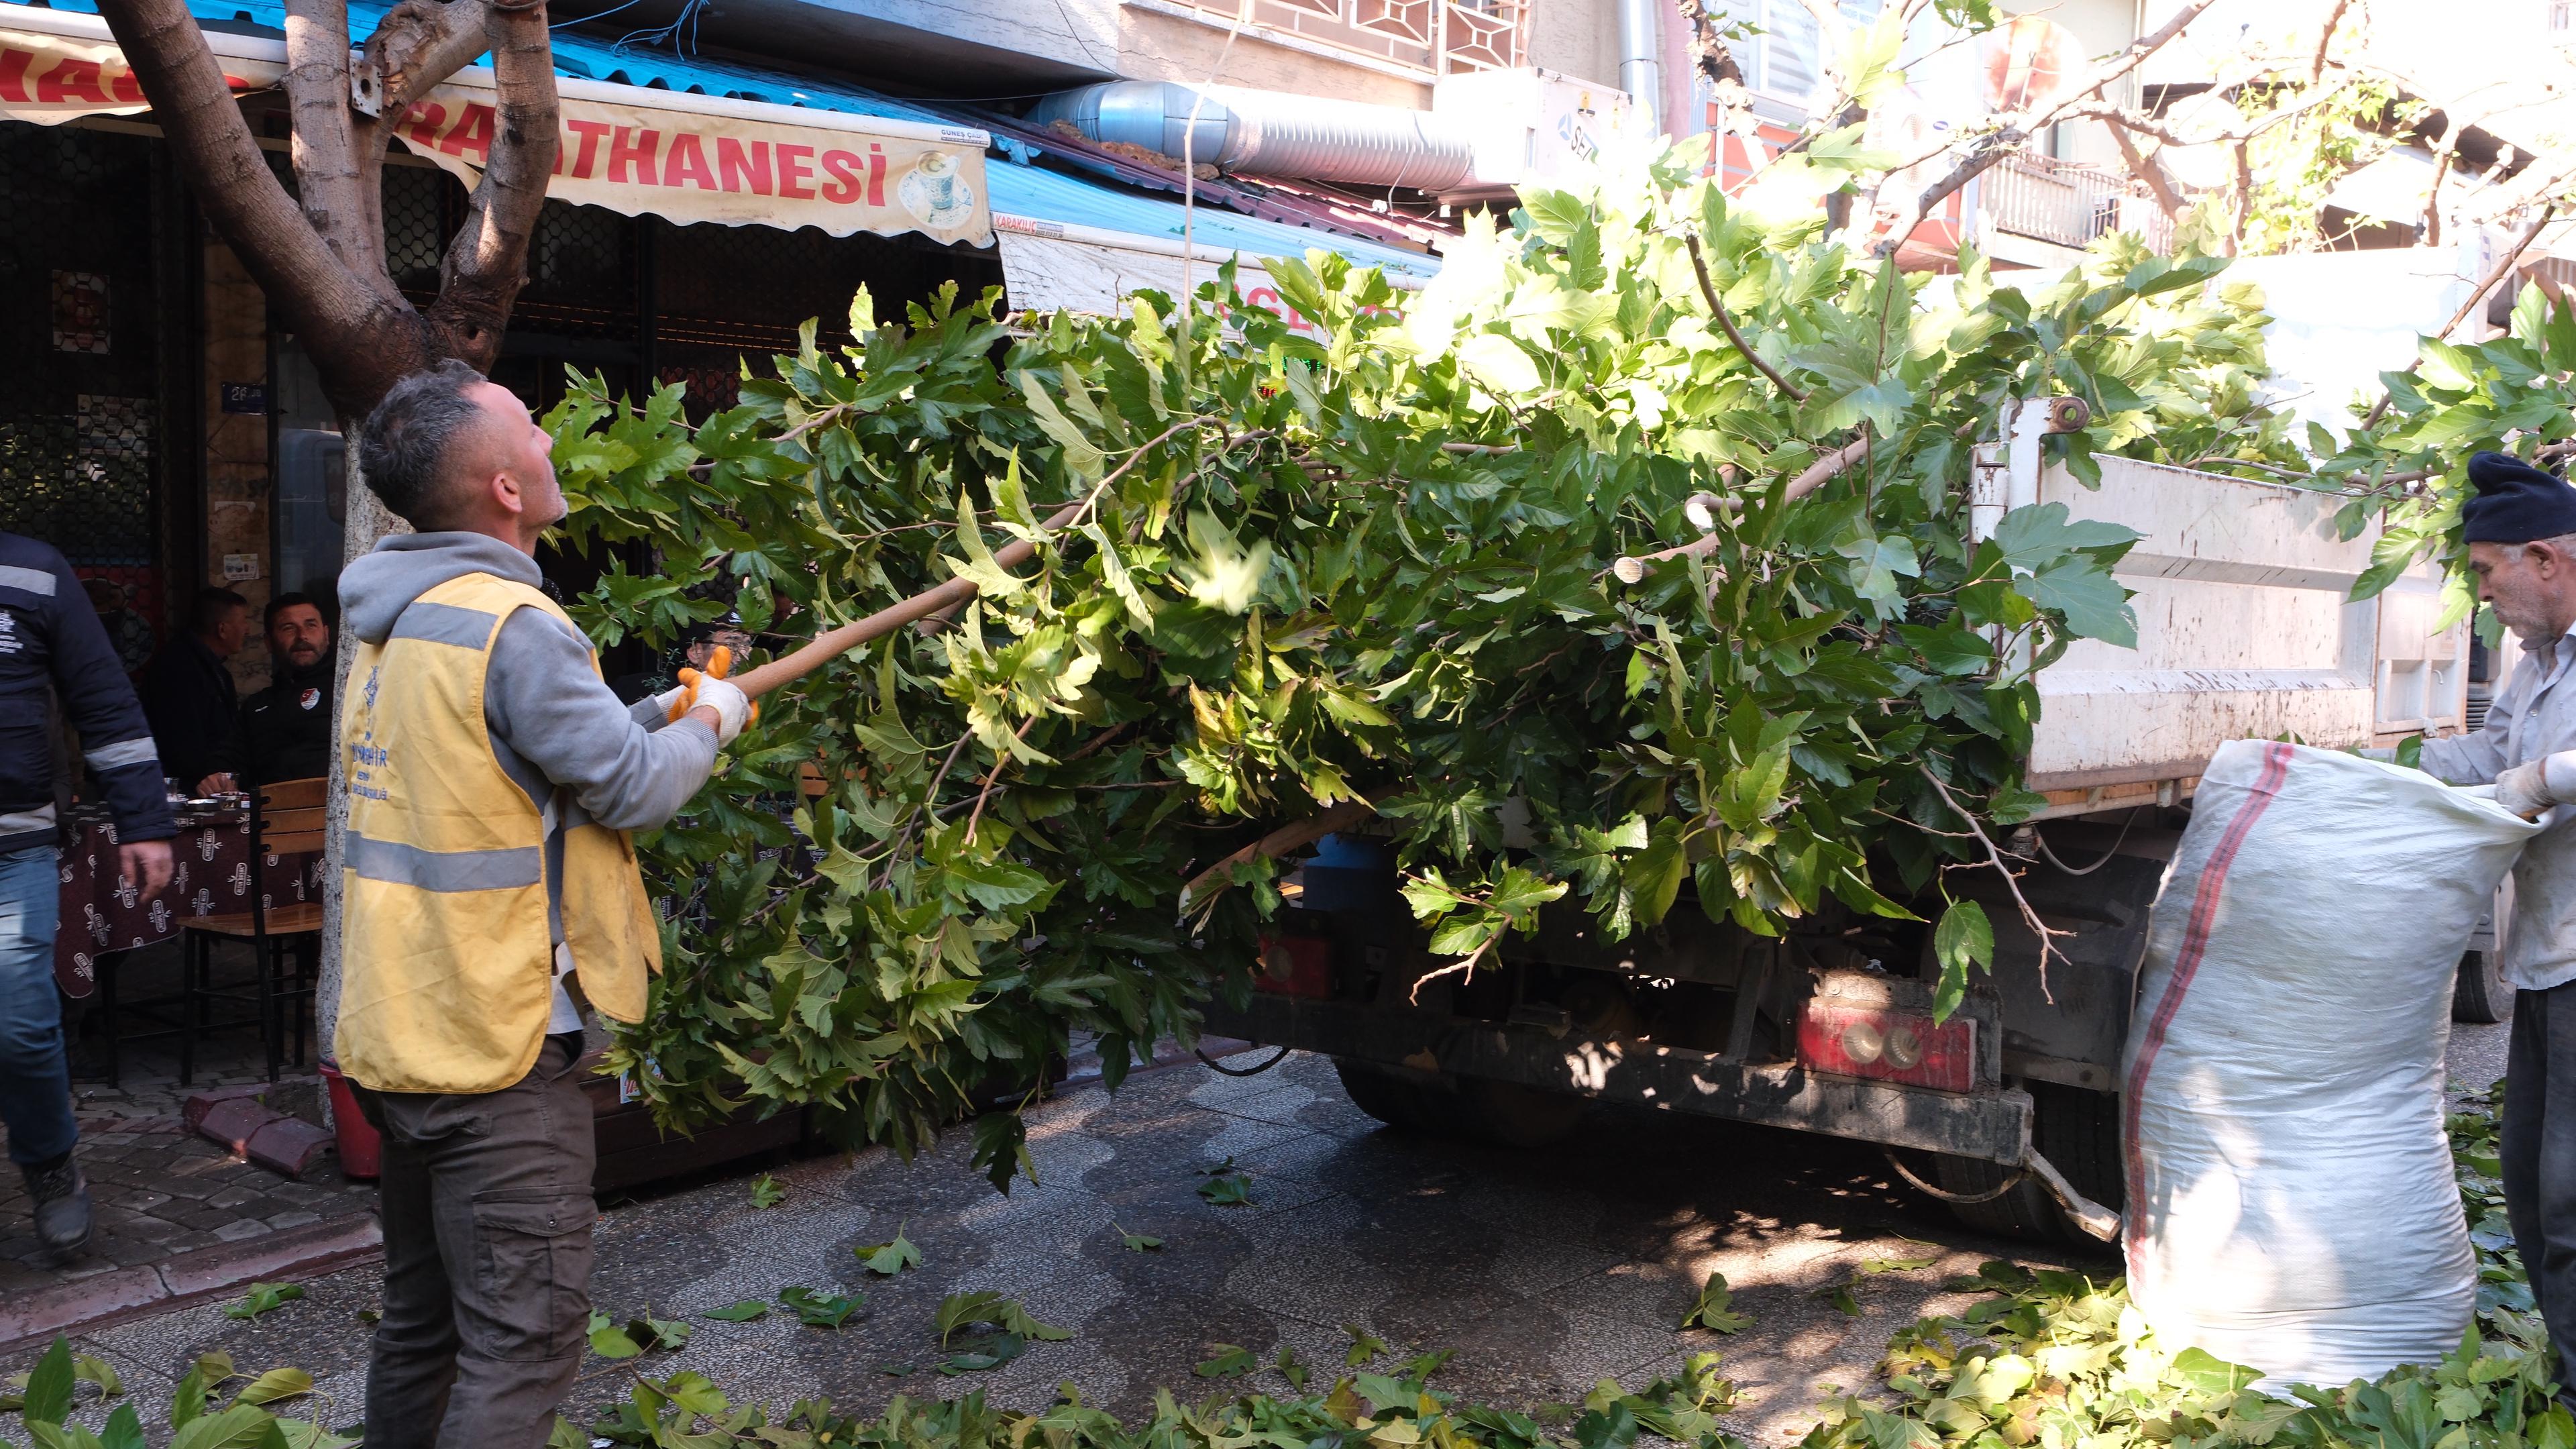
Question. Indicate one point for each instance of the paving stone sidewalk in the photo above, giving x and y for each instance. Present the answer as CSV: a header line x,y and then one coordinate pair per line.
x,y
1543,1271
161,1190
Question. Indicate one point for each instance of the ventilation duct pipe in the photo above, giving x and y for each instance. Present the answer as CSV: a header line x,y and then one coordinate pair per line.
x,y
1268,133
1641,65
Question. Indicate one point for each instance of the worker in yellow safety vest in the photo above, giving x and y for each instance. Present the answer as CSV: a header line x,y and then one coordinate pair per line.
x,y
489,889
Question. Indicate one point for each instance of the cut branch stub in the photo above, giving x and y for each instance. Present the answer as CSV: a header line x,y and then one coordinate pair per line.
x,y
1633,568
1207,884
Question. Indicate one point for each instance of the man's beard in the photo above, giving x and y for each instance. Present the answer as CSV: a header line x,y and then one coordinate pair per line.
x,y
303,656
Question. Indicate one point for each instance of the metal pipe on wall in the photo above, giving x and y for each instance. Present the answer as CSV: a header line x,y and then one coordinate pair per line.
x,y
1269,132
1641,65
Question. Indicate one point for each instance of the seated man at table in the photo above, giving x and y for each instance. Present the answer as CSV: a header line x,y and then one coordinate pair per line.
x,y
51,643
188,692
284,731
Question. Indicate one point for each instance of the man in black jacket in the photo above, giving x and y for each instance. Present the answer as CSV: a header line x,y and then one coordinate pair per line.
x,y
284,732
188,693
53,649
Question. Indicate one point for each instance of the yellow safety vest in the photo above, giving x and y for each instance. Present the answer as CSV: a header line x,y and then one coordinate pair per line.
x,y
447,964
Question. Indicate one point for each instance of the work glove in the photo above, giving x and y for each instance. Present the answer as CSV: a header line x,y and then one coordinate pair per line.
x,y
2527,790
2524,790
733,708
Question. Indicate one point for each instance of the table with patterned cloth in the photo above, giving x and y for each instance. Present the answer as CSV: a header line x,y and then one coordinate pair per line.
x,y
209,876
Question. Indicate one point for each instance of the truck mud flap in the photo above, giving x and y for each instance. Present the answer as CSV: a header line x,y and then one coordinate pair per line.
x,y
1993,1125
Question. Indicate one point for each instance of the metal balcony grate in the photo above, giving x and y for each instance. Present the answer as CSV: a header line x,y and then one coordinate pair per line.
x,y
2069,203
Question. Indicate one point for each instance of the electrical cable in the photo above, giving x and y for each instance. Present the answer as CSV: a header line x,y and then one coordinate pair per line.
x,y
2041,840
1190,189
669,34
1920,1185
1246,1071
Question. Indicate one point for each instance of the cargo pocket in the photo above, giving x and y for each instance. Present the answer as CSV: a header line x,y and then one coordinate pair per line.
x,y
532,1273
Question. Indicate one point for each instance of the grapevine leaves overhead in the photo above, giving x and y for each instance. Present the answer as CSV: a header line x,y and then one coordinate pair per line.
x,y
1360,555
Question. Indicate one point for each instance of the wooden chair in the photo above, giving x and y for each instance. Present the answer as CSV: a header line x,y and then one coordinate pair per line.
x,y
285,819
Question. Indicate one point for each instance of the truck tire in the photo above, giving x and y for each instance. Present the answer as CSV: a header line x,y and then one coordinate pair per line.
x,y
1507,1114
2482,994
2079,1132
1504,1114
1403,1105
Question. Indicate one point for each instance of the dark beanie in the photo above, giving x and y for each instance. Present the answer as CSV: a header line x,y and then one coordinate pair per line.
x,y
2515,502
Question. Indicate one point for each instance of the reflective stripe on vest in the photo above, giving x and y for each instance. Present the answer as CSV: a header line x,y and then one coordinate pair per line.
x,y
444,870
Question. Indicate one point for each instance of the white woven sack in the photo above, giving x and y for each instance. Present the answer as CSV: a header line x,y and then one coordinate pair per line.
x,y
2290,1198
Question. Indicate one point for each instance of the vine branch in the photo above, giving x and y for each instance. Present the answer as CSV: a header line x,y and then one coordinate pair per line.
x,y
2038,928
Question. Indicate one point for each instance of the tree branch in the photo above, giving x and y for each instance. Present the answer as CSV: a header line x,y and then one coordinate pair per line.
x,y
1632,568
2325,37
2477,297
418,44
1824,469
2030,918
1272,846
1996,144
322,143
1717,309
487,261
351,330
2150,171
2433,193
2244,199
829,645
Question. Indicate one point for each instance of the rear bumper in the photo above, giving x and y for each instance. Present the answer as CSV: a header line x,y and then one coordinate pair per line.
x,y
1994,1125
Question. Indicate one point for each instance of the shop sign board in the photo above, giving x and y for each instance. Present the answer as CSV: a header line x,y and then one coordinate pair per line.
x,y
688,158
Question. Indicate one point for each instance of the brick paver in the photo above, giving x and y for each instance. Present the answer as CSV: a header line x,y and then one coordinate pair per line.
x,y
161,1190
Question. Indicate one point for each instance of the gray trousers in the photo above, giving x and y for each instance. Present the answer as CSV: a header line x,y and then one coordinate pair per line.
x,y
487,1214
2539,1151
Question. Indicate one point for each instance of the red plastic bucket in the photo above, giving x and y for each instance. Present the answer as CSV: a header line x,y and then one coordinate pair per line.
x,y
362,1148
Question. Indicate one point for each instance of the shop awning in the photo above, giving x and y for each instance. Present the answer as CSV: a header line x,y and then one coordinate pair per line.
x,y
1065,241
634,149
1069,243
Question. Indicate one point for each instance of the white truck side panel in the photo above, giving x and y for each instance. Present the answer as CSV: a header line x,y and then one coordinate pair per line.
x,y
2243,631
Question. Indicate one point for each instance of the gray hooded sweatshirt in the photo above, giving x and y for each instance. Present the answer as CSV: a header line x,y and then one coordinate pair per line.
x,y
580,753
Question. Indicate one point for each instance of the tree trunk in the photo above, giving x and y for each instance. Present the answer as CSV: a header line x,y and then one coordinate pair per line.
x,y
364,524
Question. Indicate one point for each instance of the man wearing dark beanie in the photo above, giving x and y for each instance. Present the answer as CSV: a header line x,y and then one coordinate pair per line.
x,y
2521,529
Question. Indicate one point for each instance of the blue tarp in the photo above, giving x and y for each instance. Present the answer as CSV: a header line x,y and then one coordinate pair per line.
x,y
1018,189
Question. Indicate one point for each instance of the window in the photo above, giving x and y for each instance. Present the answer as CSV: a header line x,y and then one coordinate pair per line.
x,y
1786,60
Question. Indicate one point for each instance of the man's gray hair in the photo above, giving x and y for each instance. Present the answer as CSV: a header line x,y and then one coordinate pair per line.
x,y
404,446
2564,543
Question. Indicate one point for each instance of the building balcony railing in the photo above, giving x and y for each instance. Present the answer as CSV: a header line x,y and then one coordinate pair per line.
x,y
1436,37
2069,203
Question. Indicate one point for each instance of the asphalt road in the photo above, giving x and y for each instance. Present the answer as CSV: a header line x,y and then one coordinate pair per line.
x,y
1543,1271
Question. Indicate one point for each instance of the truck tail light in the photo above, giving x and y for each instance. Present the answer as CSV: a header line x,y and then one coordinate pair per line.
x,y
1889,1045
1296,966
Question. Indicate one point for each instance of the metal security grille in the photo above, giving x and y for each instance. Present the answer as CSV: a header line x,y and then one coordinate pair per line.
x,y
581,274
726,293
79,434
420,206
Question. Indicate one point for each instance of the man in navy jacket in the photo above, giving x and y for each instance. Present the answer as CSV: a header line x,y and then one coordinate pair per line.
x,y
54,651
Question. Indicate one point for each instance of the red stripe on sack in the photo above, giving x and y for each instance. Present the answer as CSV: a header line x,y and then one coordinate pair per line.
x,y
2195,945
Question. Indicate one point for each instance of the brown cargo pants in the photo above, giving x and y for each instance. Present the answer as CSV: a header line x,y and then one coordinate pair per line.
x,y
487,1215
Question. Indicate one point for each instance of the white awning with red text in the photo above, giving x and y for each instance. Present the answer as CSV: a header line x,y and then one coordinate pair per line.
x,y
632,149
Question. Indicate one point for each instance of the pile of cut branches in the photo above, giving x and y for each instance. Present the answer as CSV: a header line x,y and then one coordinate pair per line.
x,y
2063,1359
1647,518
